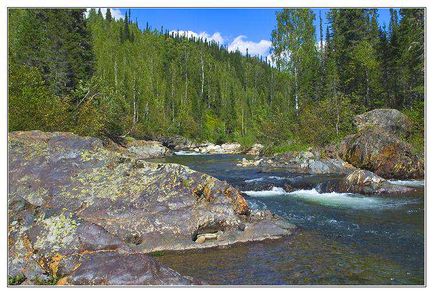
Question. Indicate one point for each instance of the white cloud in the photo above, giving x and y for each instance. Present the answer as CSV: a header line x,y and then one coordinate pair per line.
x,y
261,48
116,13
217,37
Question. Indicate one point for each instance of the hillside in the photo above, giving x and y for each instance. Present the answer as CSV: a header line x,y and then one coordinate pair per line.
x,y
104,77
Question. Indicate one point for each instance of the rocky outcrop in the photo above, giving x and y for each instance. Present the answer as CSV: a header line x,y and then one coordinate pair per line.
x,y
73,204
379,149
363,182
146,149
390,120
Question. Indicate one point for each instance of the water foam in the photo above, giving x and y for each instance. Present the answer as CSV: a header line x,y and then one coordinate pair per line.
x,y
260,179
187,153
333,199
254,180
410,182
275,191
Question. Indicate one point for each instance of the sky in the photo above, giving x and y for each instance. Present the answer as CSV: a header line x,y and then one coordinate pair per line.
x,y
236,28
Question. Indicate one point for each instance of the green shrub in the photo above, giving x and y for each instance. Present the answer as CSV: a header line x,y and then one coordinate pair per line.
x,y
417,118
31,105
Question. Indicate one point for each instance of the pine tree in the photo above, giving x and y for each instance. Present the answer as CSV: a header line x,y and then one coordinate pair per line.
x,y
411,61
108,15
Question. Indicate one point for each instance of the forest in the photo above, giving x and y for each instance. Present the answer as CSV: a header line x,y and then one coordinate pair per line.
x,y
94,75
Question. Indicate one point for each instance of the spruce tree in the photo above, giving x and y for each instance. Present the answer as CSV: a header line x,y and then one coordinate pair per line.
x,y
108,15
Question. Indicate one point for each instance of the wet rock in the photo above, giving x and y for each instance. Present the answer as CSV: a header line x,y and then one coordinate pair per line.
x,y
147,149
72,201
110,268
363,182
390,120
382,153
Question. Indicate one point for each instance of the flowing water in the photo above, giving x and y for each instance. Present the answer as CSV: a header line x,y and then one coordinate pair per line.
x,y
342,238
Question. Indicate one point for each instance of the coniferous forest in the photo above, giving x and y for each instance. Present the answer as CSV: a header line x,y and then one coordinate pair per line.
x,y
94,75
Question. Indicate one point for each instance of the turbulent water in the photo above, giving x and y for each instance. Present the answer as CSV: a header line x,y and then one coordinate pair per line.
x,y
343,238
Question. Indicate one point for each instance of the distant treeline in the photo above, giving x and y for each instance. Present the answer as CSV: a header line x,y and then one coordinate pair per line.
x,y
99,76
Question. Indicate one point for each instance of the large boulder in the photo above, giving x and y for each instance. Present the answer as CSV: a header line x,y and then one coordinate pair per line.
x,y
70,199
363,182
381,152
391,120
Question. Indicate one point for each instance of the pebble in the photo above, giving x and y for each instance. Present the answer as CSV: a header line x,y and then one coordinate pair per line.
x,y
200,240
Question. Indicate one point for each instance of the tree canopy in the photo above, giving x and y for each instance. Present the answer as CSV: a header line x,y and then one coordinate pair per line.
x,y
100,76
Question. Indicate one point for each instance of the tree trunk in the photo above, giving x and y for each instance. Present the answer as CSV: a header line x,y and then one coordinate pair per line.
x,y
202,76
296,93
367,89
116,75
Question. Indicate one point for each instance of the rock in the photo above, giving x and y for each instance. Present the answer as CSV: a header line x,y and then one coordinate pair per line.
x,y
391,120
110,268
72,201
330,151
208,236
176,142
255,150
363,182
200,239
248,163
147,149
382,153
329,166
304,162
226,148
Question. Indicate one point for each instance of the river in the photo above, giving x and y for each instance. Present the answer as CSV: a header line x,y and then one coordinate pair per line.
x,y
342,238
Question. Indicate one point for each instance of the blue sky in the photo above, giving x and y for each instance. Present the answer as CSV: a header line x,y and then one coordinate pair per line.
x,y
237,28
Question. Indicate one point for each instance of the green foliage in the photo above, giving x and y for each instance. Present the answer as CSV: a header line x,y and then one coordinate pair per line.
x,y
331,118
294,47
49,280
292,146
56,42
16,280
31,104
417,137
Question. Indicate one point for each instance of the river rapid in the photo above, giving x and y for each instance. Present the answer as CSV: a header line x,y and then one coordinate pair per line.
x,y
342,238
